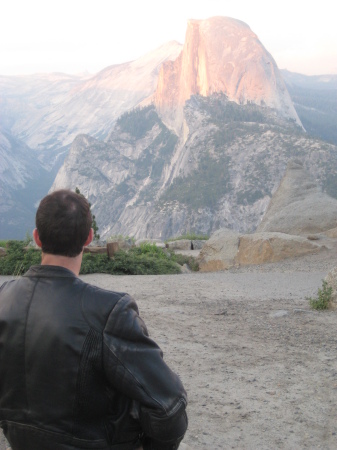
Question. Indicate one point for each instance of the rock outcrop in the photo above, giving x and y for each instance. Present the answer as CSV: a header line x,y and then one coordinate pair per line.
x,y
220,251
222,55
146,183
180,244
331,233
299,206
42,115
261,248
226,249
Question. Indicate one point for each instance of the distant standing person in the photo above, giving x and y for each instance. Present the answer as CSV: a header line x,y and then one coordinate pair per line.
x,y
77,367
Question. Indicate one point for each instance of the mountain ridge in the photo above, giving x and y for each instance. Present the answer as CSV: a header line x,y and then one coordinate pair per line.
x,y
223,175
51,117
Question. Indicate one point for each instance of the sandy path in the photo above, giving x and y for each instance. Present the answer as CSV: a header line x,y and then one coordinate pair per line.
x,y
259,367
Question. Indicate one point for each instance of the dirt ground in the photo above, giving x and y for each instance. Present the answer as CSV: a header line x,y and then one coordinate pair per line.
x,y
259,366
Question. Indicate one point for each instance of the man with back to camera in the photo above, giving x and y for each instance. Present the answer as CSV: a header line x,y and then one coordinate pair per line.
x,y
77,367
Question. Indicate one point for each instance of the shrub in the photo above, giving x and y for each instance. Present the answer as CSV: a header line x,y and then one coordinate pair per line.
x,y
145,260
183,259
190,236
149,249
138,121
17,261
120,237
148,259
204,186
323,299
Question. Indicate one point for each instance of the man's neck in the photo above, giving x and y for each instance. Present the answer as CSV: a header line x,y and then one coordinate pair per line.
x,y
72,264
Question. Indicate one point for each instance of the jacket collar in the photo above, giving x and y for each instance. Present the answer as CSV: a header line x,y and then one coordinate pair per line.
x,y
49,271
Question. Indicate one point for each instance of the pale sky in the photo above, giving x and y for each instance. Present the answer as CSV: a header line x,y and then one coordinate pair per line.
x,y
73,36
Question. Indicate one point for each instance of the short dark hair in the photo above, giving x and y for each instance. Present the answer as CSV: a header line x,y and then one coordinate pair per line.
x,y
63,221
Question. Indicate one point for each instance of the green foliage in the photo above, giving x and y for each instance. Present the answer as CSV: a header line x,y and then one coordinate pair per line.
x,y
121,237
146,248
249,197
3,243
323,299
224,111
153,158
94,224
138,121
183,259
148,259
28,238
190,236
144,260
204,187
17,261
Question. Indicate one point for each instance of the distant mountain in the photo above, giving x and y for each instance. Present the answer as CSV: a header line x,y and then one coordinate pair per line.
x,y
221,55
315,101
42,114
210,151
48,111
145,181
317,82
186,138
19,191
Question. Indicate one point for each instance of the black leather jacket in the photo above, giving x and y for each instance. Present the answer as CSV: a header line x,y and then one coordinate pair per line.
x,y
79,371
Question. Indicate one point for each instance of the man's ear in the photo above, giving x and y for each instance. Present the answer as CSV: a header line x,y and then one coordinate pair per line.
x,y
37,238
90,237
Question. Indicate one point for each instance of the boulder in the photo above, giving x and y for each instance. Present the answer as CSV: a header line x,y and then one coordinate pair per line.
x,y
331,279
185,268
219,252
95,250
121,243
179,244
299,206
112,248
226,249
332,233
197,244
260,248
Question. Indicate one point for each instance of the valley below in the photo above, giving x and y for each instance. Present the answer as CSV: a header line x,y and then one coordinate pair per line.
x,y
258,364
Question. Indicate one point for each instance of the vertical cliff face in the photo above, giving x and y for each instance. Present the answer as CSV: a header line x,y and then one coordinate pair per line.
x,y
221,55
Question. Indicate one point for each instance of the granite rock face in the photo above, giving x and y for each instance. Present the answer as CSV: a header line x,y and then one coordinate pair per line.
x,y
299,206
42,114
219,252
155,184
221,55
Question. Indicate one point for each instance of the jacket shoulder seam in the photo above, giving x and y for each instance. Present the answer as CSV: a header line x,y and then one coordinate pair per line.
x,y
86,286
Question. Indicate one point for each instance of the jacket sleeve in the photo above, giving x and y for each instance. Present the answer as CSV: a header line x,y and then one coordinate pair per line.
x,y
134,365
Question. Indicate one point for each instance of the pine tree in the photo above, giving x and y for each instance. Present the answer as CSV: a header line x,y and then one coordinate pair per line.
x,y
94,224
